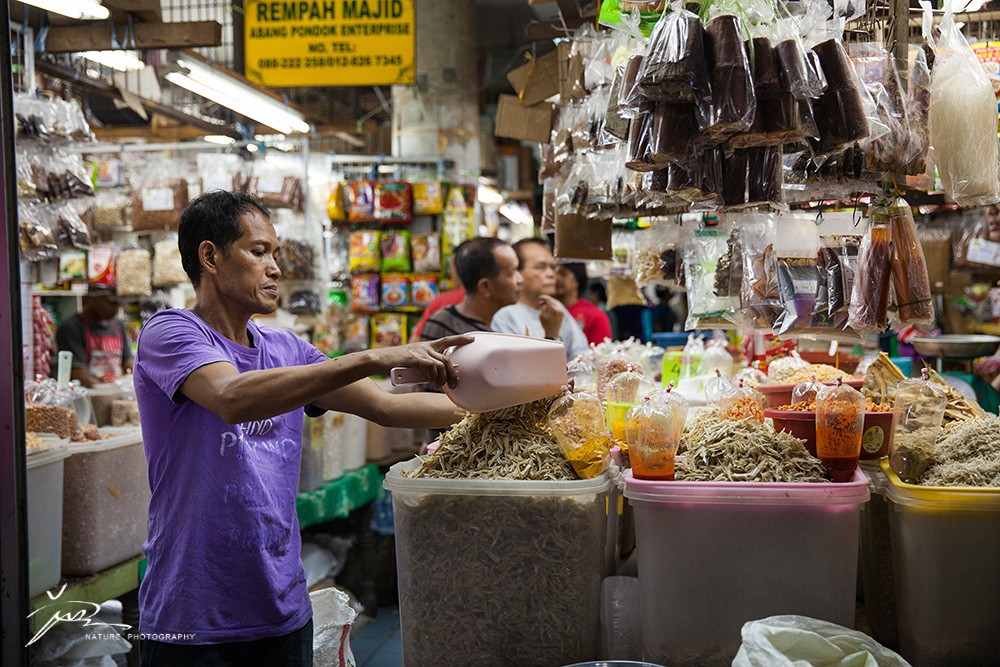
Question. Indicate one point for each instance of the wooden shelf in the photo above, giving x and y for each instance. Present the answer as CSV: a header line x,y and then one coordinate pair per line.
x,y
97,588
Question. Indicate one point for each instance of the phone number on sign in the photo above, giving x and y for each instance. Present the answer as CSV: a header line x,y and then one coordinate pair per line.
x,y
324,61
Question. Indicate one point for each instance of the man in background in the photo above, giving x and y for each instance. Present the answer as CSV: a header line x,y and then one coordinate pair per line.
x,y
487,270
97,338
571,283
538,313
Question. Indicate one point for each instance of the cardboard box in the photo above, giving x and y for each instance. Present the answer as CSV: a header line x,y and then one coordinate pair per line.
x,y
531,123
536,81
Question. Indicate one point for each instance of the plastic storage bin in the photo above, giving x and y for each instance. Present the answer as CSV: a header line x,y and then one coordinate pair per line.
x,y
355,441
498,572
876,559
713,556
945,549
105,502
45,512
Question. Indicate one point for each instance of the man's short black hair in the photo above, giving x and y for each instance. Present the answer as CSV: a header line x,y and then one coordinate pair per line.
x,y
523,242
476,259
580,272
214,217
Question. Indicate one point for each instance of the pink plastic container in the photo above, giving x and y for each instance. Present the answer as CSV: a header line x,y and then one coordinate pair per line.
x,y
499,370
713,556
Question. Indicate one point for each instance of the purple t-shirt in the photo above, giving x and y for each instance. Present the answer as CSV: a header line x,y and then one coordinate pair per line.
x,y
224,545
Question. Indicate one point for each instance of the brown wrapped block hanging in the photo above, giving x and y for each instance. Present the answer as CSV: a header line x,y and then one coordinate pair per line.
x,y
672,133
793,66
764,175
614,123
766,80
640,144
836,65
725,42
580,237
676,69
734,178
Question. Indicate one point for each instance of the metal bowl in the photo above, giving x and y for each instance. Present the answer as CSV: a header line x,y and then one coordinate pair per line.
x,y
956,346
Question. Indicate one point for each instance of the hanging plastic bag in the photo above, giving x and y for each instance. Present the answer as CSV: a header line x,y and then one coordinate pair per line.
x,y
917,416
733,100
791,641
576,421
963,120
870,294
839,113
764,175
134,271
653,440
160,195
918,109
761,297
705,309
221,171
741,403
910,284
35,232
840,417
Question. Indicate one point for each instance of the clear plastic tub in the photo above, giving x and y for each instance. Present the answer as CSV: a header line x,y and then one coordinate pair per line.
x,y
498,572
945,548
45,511
105,502
713,556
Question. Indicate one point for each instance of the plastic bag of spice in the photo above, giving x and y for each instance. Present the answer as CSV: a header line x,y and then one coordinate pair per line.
x,y
622,393
159,195
653,438
705,309
718,386
870,293
741,403
917,416
806,391
576,421
71,229
911,286
840,417
278,184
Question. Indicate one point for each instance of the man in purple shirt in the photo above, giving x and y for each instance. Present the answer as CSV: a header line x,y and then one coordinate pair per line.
x,y
221,401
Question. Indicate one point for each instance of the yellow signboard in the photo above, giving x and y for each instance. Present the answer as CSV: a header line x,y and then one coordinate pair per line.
x,y
329,42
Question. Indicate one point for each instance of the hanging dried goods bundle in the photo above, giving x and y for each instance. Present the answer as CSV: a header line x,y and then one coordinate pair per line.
x,y
870,295
910,284
733,101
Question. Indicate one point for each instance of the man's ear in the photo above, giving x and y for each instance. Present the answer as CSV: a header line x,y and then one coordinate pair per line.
x,y
484,287
208,257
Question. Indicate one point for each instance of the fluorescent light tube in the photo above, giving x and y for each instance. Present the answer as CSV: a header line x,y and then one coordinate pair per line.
x,y
75,9
123,61
216,86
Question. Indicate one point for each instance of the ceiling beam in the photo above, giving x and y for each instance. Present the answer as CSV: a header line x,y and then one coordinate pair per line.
x,y
98,37
103,88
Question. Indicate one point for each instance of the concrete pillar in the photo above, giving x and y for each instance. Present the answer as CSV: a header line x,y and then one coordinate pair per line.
x,y
439,117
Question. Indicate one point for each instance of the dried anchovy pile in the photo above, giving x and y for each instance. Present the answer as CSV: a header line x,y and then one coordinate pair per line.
x,y
503,444
748,451
968,454
696,427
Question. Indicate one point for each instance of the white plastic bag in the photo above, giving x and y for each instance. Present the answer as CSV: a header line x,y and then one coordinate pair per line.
x,y
795,641
332,621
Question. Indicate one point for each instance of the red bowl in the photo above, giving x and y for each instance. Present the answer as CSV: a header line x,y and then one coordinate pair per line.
x,y
876,434
844,361
778,395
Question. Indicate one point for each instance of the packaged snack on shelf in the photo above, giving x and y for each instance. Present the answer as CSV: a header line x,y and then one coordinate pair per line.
x,y
361,201
35,232
159,195
395,249
364,251
423,289
393,202
133,269
101,264
870,294
305,302
335,205
395,290
761,296
296,259
355,332
221,171
963,120
428,198
109,208
167,266
365,295
72,266
388,330
426,252
911,287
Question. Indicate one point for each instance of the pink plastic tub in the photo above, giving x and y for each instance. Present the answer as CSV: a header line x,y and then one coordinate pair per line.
x,y
713,556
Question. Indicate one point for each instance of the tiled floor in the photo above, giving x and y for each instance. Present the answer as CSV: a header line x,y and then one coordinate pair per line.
x,y
377,643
